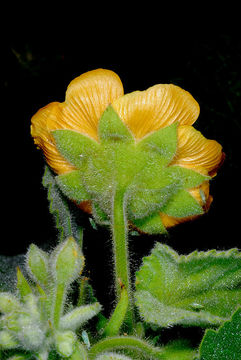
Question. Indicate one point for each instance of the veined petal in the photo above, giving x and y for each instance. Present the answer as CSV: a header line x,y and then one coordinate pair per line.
x,y
155,108
42,123
196,152
87,97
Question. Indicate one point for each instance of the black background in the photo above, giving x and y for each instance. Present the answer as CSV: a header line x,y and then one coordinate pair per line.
x,y
41,57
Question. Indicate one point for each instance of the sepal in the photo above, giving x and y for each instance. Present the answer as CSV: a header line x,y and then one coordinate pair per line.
x,y
144,202
182,205
185,178
150,225
162,142
112,128
71,184
74,146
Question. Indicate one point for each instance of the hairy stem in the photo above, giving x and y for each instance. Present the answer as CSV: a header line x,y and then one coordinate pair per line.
x,y
58,304
120,250
126,342
113,326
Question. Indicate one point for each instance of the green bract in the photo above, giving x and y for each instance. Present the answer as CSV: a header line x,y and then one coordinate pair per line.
x,y
141,170
200,289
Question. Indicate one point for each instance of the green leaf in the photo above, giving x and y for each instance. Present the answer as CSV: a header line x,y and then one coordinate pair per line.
x,y
74,146
182,204
163,142
200,289
72,186
179,350
112,128
60,209
225,343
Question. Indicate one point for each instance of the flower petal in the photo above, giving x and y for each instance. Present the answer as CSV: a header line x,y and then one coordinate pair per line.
x,y
87,97
196,152
41,132
155,108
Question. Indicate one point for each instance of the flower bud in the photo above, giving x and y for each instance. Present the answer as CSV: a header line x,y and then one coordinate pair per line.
x,y
68,262
37,264
65,343
8,303
6,340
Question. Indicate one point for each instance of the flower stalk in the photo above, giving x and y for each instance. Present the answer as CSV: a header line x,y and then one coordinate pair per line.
x,y
119,229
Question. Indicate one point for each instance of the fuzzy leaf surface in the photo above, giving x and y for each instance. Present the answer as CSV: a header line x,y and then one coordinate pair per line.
x,y
225,343
150,224
182,204
72,186
74,146
162,142
112,128
201,289
160,188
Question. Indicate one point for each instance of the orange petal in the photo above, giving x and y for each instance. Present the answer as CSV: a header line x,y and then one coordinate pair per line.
x,y
87,97
201,194
85,206
41,133
157,107
196,152
170,221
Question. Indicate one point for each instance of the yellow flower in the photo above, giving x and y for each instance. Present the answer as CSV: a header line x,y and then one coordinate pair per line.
x,y
143,112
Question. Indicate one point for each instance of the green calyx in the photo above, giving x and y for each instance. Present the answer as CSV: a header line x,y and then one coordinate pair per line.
x,y
141,170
